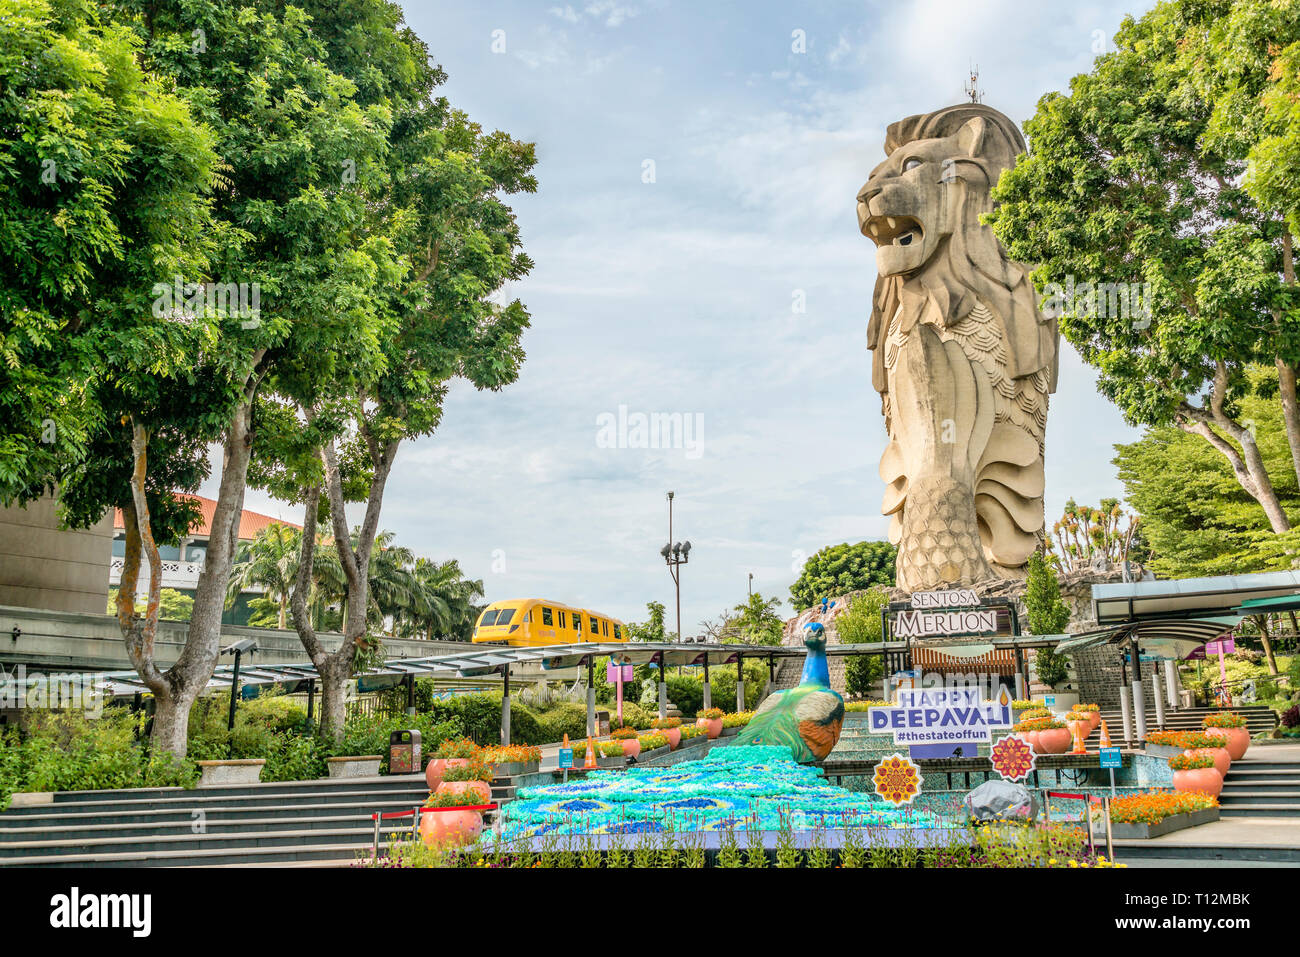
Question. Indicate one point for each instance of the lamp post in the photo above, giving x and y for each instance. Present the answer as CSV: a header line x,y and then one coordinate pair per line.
x,y
751,584
675,555
237,649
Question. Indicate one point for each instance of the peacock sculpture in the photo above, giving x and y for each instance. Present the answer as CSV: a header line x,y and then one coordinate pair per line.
x,y
806,719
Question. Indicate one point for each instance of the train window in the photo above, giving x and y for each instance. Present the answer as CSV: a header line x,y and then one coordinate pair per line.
x,y
618,636
563,621
595,626
547,617
604,628
489,617
577,623
528,616
506,615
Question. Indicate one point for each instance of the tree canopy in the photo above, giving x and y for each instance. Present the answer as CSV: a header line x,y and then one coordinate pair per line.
x,y
837,569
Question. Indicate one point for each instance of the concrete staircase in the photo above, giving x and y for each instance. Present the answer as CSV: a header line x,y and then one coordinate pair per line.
x,y
1259,718
1260,787
299,822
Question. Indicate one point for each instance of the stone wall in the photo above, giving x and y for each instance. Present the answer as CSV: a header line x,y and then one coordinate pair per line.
x,y
44,566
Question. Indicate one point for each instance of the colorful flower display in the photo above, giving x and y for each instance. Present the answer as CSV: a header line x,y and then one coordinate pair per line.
x,y
740,787
1155,806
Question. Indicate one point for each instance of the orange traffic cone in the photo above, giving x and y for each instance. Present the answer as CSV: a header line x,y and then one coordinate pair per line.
x,y
1079,746
590,762
1105,736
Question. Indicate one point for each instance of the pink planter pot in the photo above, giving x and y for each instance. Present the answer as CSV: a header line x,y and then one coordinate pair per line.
x,y
1031,738
674,736
452,827
713,728
1082,728
631,747
1054,741
1206,780
1094,718
1238,742
480,790
1222,760
433,772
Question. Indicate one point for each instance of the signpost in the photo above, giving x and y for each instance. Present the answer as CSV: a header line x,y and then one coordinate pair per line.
x,y
566,762
1111,758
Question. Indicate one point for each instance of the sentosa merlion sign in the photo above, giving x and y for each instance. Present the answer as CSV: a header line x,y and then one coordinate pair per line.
x,y
963,619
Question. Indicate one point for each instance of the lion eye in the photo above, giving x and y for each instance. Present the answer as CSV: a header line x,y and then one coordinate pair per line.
x,y
912,163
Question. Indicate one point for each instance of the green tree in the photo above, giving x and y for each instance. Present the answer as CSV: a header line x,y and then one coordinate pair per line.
x,y
860,624
1046,614
1083,535
652,629
1171,279
839,569
270,561
755,622
1196,517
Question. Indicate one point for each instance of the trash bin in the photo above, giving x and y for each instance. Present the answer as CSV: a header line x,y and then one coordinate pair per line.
x,y
404,752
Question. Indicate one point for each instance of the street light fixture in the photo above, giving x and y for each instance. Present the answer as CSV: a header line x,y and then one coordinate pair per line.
x,y
675,555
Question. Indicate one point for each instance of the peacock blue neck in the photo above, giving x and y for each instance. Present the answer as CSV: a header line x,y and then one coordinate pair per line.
x,y
815,669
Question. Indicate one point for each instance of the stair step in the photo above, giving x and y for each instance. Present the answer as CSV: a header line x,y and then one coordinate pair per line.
x,y
29,850
288,788
339,854
206,798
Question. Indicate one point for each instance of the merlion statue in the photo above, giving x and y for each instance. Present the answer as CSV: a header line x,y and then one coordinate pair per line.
x,y
963,359
806,719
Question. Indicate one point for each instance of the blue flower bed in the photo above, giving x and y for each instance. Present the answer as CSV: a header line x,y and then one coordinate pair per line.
x,y
737,787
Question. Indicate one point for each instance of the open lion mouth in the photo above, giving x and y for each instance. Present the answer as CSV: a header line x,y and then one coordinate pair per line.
x,y
893,230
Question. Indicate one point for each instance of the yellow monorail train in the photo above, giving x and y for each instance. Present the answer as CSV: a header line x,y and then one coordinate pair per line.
x,y
536,621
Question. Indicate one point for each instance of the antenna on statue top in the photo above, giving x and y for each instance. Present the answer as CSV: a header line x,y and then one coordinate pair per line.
x,y
972,86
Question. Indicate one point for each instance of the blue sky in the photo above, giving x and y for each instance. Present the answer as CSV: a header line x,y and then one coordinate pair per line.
x,y
681,295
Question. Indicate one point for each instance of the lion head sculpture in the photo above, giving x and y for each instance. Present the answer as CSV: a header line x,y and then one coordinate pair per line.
x,y
922,208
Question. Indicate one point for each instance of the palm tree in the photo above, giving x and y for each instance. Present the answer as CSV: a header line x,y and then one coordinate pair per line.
x,y
271,561
443,601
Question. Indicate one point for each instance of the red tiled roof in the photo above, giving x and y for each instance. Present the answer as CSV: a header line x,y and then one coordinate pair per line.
x,y
250,523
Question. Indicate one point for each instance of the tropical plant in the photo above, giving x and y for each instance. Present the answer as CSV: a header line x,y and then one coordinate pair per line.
x,y
858,624
269,561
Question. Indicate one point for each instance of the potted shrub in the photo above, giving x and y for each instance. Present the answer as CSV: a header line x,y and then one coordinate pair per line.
x,y
1232,727
354,765
510,760
1089,712
1046,735
451,753
454,823
690,732
1193,742
627,739
670,728
710,719
1080,723
471,779
1196,772
610,754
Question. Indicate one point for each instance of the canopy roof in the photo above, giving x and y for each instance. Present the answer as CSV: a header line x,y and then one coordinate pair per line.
x,y
1123,602
1164,638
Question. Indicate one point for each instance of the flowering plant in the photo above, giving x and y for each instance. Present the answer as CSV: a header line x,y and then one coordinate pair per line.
x,y
609,749
625,733
1023,704
1191,762
651,741
1039,724
663,723
1155,806
462,748
474,771
737,719
691,731
712,714
1224,719
1033,713
512,753
453,799
865,705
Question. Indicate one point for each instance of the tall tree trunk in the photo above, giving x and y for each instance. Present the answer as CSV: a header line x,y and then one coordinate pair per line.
x,y
1247,464
1267,641
1286,370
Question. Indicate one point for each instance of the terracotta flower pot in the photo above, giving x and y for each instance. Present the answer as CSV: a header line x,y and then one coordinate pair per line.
x,y
1206,780
481,790
1031,739
1238,742
1094,718
434,771
674,736
631,747
1222,759
712,727
1082,727
451,827
1054,741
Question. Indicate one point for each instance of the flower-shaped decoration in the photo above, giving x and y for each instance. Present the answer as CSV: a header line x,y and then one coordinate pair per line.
x,y
1013,758
897,779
